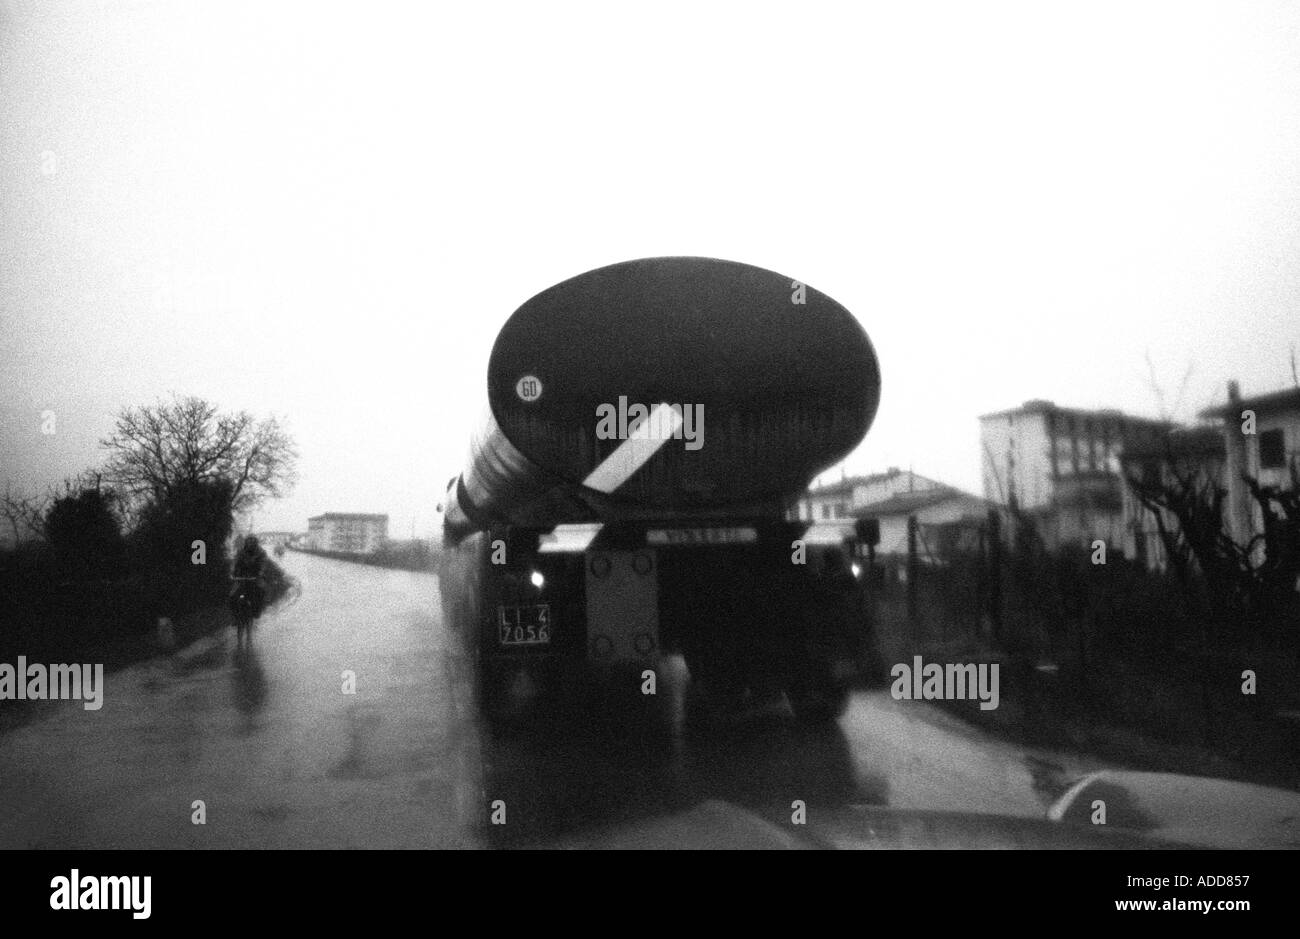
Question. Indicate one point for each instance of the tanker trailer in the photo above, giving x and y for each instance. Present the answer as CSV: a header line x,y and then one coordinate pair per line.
x,y
629,493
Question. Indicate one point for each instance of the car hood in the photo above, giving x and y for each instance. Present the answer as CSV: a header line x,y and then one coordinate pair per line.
x,y
717,824
1190,810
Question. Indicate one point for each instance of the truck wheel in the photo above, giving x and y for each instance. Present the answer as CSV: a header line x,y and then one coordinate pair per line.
x,y
872,667
716,687
494,702
816,696
819,707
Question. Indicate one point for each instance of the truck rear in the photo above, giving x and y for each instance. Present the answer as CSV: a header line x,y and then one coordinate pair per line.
x,y
632,491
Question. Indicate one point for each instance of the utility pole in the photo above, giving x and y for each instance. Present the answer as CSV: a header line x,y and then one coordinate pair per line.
x,y
995,572
912,567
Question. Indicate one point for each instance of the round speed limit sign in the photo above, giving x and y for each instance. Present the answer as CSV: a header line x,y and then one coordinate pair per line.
x,y
529,388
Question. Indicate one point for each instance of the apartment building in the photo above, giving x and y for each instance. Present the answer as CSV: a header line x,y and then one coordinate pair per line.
x,y
351,532
1061,466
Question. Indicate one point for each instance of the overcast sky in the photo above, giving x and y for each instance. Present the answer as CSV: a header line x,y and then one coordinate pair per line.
x,y
327,211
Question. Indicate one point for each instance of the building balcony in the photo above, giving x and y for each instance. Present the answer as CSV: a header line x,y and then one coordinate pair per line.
x,y
1091,489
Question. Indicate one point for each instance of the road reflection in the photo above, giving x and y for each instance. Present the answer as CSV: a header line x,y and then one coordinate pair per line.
x,y
251,689
610,759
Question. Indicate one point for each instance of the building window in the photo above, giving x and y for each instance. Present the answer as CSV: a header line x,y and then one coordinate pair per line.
x,y
1272,450
826,511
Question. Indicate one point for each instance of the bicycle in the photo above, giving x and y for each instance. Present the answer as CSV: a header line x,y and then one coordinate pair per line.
x,y
244,606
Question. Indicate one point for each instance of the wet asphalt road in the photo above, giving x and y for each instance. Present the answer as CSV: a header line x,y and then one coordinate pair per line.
x,y
281,757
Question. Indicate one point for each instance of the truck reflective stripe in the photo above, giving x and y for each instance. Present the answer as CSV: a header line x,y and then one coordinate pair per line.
x,y
636,450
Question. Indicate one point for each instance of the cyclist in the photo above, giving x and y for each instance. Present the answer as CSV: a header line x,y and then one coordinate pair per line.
x,y
249,572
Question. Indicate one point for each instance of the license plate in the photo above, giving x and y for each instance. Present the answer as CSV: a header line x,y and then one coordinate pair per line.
x,y
528,625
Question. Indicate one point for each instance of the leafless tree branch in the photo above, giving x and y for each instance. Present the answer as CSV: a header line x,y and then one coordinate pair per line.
x,y
155,449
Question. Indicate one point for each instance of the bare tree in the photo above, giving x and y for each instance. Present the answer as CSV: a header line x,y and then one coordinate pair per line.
x,y
157,449
1255,580
88,480
24,514
1167,413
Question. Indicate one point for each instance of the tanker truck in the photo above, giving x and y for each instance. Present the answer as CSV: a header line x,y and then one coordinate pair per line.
x,y
630,492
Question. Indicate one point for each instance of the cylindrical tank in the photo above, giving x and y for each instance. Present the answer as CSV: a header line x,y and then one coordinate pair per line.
x,y
752,383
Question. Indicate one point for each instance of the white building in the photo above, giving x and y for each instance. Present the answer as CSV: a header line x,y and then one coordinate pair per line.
x,y
1191,454
948,520
273,539
1061,466
1257,437
350,532
845,498
1261,438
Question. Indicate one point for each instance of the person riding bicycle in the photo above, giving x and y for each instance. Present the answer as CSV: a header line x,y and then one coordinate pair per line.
x,y
249,572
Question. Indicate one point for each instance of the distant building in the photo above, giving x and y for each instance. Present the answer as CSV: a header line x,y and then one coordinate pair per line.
x,y
1061,467
1193,454
1271,454
275,538
948,520
844,498
1216,455
355,533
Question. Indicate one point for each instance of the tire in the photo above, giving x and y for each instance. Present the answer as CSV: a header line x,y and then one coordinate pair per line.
x,y
490,691
717,682
819,707
815,695
500,711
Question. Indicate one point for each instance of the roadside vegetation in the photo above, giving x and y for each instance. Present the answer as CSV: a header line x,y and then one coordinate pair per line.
x,y
1169,671
134,555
